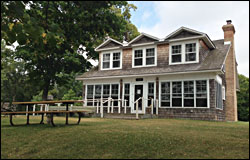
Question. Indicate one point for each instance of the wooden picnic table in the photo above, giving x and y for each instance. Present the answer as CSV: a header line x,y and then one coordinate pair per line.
x,y
51,113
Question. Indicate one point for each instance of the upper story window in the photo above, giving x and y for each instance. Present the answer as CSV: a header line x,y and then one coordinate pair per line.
x,y
111,60
184,52
143,57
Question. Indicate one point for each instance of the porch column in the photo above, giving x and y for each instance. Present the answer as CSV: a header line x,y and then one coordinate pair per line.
x,y
83,94
157,87
121,91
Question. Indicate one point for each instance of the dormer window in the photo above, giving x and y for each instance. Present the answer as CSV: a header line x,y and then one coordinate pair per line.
x,y
143,57
111,60
184,52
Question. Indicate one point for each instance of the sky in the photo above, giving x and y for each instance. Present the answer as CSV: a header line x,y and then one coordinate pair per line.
x,y
160,18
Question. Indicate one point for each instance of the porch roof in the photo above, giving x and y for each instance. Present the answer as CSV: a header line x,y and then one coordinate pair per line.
x,y
210,61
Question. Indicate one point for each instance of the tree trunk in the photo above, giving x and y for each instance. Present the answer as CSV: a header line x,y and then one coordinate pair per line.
x,y
45,91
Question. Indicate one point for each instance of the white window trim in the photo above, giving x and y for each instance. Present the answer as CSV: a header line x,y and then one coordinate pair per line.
x,y
111,60
144,56
182,81
223,93
183,52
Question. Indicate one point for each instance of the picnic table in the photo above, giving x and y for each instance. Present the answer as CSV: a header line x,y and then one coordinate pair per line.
x,y
50,113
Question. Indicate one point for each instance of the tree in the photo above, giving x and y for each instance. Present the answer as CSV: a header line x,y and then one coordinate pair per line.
x,y
243,98
53,34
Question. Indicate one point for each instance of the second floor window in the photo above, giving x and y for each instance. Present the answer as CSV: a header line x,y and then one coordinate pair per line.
x,y
176,53
150,56
111,60
190,52
144,57
138,58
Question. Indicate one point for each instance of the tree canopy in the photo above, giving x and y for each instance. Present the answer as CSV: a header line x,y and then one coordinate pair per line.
x,y
52,35
243,98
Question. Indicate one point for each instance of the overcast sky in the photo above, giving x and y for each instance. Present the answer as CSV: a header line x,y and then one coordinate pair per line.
x,y
161,18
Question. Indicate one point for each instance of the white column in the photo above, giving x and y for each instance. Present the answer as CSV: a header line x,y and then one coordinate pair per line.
x,y
157,106
152,106
143,107
119,106
125,107
27,109
112,106
108,105
97,107
137,117
101,109
34,109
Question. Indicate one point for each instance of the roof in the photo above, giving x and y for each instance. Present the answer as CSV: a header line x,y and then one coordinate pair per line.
x,y
211,60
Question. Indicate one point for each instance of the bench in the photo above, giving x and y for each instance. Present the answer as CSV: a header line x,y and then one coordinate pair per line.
x,y
50,117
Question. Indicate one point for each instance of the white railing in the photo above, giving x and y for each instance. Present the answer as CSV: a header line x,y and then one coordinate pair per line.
x,y
137,107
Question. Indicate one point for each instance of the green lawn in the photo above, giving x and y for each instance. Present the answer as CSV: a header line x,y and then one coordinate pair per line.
x,y
112,138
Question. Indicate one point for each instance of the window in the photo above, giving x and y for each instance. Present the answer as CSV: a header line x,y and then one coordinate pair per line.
x,y
176,53
184,52
112,60
188,93
177,94
127,93
90,94
106,92
150,56
138,58
223,93
219,101
190,52
150,92
201,93
114,93
144,57
116,60
106,61
98,93
165,94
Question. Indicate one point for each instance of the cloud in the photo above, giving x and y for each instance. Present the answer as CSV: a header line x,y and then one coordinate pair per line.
x,y
207,17
146,15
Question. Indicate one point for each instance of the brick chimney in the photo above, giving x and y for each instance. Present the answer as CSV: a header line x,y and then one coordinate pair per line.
x,y
230,74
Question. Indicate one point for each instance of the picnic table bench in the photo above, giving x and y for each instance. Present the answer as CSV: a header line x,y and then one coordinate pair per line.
x,y
49,113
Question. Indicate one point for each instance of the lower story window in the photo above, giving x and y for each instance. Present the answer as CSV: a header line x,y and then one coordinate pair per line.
x,y
150,93
114,93
90,95
188,93
177,94
127,93
165,94
219,101
201,93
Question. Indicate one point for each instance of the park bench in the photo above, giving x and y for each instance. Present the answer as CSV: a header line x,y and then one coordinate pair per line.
x,y
50,114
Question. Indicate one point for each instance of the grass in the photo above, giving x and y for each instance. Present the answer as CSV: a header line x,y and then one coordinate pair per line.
x,y
112,138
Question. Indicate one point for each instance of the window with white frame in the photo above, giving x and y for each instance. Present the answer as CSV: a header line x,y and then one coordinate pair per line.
x,y
165,94
223,93
111,60
188,93
106,61
90,95
151,87
98,93
176,53
106,92
144,57
190,53
150,56
127,93
177,94
114,93
184,52
138,57
201,93
116,60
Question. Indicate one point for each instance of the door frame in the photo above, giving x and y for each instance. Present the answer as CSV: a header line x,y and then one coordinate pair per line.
x,y
133,96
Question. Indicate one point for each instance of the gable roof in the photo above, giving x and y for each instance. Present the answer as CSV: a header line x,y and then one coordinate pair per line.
x,y
106,44
148,38
187,33
211,61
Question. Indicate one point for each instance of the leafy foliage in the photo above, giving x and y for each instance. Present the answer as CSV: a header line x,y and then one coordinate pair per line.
x,y
52,35
243,98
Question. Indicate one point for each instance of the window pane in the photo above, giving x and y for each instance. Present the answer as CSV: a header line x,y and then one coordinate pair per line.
x,y
150,92
138,53
188,93
116,64
176,94
90,94
191,47
106,64
127,93
191,57
165,94
150,61
176,49
116,56
150,52
176,58
106,90
98,92
106,57
114,93
138,62
201,93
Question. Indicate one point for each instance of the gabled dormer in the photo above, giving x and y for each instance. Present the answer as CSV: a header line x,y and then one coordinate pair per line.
x,y
110,56
144,50
184,45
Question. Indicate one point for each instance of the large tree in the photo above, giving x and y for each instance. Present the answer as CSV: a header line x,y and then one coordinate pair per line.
x,y
243,98
53,34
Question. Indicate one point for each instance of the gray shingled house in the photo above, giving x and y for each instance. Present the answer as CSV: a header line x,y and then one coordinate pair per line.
x,y
184,75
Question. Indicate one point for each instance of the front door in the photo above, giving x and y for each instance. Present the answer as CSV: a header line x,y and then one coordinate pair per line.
x,y
138,94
